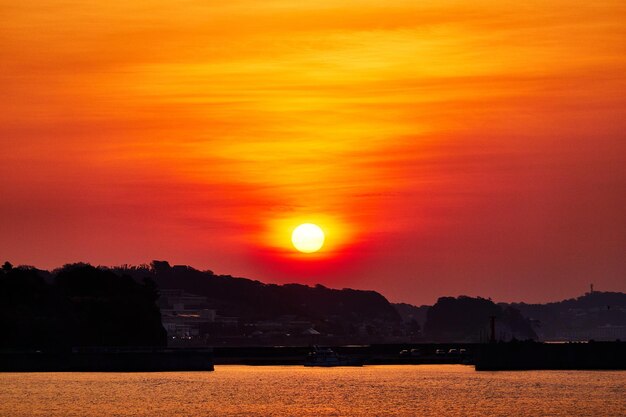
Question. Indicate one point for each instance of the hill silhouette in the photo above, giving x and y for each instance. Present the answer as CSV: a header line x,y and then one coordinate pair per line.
x,y
83,305
467,319
580,317
77,305
254,300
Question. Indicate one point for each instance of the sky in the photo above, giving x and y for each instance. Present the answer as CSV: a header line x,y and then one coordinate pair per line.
x,y
444,147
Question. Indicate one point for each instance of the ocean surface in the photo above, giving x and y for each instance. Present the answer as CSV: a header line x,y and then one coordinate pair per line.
x,y
423,390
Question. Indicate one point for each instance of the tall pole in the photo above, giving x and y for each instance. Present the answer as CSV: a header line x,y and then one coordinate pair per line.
x,y
492,337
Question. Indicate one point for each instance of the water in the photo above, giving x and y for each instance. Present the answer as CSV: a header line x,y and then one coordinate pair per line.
x,y
437,390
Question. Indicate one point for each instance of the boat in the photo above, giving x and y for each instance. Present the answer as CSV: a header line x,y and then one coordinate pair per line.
x,y
326,357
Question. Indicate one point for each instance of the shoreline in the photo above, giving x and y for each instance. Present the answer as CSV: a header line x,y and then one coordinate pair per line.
x,y
485,357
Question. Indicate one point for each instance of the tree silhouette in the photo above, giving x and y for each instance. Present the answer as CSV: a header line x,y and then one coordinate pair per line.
x,y
82,306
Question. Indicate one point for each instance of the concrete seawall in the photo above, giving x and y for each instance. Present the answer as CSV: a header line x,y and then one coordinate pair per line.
x,y
153,360
531,355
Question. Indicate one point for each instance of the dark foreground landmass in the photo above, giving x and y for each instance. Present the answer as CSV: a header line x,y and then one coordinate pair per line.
x,y
77,305
81,317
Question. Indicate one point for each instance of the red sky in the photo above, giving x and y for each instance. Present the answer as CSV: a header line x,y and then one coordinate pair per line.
x,y
445,147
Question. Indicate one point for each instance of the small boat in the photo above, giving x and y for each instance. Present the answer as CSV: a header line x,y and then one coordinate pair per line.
x,y
327,357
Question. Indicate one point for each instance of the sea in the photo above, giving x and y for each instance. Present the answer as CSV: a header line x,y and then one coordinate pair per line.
x,y
386,390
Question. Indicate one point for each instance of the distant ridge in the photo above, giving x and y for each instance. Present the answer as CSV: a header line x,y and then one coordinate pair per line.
x,y
594,315
250,299
99,300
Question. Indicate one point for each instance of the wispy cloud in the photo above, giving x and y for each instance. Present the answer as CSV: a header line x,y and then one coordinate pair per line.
x,y
234,117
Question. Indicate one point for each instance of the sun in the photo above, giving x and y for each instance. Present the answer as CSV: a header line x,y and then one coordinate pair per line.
x,y
307,238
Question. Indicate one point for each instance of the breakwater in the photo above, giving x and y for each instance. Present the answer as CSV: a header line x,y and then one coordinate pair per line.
x,y
375,354
485,356
556,356
107,360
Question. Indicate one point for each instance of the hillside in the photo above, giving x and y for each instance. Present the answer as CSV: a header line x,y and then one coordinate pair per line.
x,y
596,315
77,305
84,305
252,300
467,319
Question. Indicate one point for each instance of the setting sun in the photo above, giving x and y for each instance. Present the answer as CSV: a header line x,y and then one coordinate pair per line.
x,y
308,238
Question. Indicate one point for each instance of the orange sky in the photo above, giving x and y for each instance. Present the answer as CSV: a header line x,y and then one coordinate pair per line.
x,y
446,147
